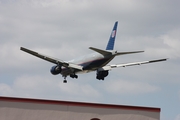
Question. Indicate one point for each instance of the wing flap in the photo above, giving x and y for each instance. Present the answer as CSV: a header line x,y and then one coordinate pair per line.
x,y
52,60
109,67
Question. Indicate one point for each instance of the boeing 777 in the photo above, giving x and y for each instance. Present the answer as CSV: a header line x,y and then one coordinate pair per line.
x,y
97,61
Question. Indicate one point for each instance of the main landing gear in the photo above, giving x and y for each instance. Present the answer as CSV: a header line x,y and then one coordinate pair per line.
x,y
73,76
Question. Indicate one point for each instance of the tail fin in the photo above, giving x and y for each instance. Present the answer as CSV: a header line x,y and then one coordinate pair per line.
x,y
110,45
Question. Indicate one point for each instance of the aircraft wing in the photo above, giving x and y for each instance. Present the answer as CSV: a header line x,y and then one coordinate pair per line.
x,y
52,60
109,67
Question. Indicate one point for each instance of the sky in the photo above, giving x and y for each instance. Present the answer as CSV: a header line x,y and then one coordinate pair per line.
x,y
65,29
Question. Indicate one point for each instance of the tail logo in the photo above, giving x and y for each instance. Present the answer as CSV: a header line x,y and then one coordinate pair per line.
x,y
113,34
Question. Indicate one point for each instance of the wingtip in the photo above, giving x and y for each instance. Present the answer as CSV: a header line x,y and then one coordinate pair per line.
x,y
22,48
159,60
166,59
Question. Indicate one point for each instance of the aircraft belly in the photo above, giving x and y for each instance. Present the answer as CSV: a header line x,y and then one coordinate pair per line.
x,y
68,71
97,64
88,66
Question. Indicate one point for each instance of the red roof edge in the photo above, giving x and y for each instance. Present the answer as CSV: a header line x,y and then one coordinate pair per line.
x,y
83,104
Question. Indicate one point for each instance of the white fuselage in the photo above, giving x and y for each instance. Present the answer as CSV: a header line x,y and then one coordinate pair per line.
x,y
90,62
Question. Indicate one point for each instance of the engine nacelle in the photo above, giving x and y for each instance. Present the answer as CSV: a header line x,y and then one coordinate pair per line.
x,y
56,70
102,74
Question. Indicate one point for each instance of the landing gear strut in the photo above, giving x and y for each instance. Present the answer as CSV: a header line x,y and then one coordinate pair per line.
x,y
65,81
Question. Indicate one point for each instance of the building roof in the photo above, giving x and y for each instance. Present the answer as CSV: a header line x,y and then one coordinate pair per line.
x,y
82,104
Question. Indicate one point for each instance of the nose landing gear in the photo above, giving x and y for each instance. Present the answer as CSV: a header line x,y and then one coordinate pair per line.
x,y
65,81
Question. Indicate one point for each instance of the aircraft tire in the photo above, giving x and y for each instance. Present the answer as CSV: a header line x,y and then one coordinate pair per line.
x,y
76,76
65,81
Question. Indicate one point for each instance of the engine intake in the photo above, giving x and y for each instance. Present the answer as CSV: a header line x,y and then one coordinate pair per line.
x,y
56,70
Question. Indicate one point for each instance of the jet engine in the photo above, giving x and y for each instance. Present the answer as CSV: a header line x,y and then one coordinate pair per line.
x,y
56,70
102,74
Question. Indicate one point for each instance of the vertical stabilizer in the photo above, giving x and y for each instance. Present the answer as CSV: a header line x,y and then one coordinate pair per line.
x,y
110,45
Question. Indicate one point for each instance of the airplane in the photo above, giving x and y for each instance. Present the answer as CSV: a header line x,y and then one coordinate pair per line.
x,y
97,61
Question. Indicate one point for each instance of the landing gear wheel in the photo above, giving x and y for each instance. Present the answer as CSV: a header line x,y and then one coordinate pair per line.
x,y
76,76
73,76
65,81
99,77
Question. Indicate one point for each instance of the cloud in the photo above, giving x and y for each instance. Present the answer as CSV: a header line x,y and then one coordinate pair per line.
x,y
130,87
166,45
32,86
172,40
5,89
44,87
30,82
177,117
179,94
80,90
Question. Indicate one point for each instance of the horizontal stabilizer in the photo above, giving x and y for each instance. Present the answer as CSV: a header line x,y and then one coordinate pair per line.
x,y
103,52
108,52
123,53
